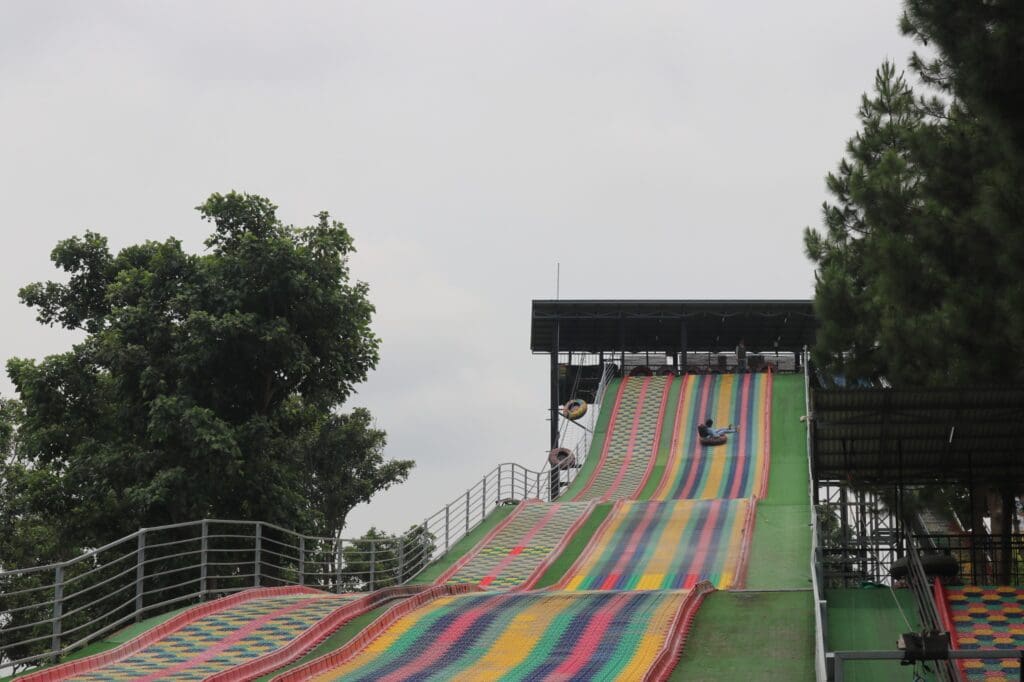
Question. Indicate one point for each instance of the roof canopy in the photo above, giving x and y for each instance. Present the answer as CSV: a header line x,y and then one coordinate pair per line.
x,y
671,326
918,435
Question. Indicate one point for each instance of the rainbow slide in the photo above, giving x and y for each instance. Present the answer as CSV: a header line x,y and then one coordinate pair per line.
x,y
677,525
518,636
985,617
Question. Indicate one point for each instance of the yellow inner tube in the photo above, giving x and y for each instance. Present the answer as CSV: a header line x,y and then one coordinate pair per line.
x,y
574,409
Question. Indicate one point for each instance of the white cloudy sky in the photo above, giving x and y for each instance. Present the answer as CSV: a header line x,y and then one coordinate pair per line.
x,y
468,146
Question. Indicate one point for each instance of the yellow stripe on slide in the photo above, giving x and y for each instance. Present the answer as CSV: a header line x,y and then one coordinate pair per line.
x,y
516,643
651,644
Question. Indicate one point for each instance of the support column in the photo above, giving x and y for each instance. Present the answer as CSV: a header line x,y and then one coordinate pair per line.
x,y
555,475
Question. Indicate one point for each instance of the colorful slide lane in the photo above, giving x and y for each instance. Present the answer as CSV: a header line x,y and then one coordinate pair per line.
x,y
631,442
521,546
666,545
740,467
986,617
233,638
520,636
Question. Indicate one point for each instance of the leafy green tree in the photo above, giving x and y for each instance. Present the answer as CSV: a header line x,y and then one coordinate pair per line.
x,y
384,560
206,385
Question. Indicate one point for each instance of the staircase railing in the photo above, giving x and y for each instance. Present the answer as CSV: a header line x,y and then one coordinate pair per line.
x,y
927,609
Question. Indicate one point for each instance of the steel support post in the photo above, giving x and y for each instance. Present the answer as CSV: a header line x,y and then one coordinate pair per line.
x,y
447,520
58,610
467,511
373,563
302,560
339,552
258,554
204,550
483,498
140,574
401,559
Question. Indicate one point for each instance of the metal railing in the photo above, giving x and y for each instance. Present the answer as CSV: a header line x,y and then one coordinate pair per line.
x,y
817,559
927,609
48,611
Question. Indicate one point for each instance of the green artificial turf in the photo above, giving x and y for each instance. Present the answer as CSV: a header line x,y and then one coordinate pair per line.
x,y
763,636
668,428
869,618
596,443
780,554
460,548
579,541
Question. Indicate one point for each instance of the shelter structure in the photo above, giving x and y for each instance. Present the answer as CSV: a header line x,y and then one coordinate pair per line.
x,y
941,460
663,332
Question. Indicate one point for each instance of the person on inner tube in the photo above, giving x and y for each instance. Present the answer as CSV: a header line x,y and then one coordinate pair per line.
x,y
707,430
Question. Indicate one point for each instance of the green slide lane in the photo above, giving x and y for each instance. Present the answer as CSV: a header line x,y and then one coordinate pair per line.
x,y
597,443
665,444
781,552
460,548
574,548
763,636
766,633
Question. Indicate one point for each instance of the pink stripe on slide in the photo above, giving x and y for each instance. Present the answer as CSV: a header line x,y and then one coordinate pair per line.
x,y
223,644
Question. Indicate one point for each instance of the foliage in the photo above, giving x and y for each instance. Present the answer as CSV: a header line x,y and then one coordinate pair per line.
x,y
919,267
207,385
384,560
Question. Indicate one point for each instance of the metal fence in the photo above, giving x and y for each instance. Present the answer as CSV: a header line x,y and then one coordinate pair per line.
x,y
980,558
48,611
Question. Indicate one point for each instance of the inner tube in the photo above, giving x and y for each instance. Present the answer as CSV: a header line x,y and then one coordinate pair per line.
x,y
574,409
714,440
561,458
940,565
641,371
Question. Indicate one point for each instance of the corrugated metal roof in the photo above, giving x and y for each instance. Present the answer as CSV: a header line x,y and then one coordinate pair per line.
x,y
919,435
671,325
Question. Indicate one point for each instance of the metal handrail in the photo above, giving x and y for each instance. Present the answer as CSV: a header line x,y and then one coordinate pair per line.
x,y
154,568
817,574
926,606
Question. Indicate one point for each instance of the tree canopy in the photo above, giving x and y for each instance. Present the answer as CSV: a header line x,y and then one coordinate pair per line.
x,y
920,262
206,385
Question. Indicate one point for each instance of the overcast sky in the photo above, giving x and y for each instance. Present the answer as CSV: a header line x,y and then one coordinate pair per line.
x,y
670,149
